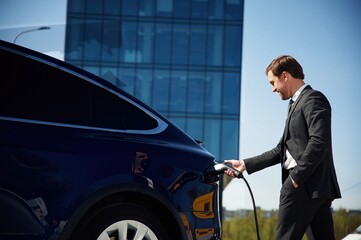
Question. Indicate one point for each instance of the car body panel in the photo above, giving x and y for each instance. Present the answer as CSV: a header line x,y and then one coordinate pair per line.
x,y
59,170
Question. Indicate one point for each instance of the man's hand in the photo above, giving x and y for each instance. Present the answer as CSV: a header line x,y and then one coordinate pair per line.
x,y
295,185
236,164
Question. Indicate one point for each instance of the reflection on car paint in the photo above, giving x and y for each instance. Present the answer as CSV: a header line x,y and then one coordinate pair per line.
x,y
140,162
181,180
39,208
139,165
203,206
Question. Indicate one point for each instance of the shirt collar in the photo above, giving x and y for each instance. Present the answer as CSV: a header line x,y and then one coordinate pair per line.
x,y
298,92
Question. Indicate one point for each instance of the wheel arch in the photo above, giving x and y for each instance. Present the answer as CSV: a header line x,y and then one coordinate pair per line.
x,y
149,198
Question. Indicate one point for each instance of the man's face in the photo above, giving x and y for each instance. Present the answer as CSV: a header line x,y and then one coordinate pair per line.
x,y
278,85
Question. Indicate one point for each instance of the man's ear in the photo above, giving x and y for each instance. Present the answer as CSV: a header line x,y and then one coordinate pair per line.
x,y
286,76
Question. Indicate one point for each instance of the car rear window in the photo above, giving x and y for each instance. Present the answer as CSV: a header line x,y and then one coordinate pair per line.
x,y
34,90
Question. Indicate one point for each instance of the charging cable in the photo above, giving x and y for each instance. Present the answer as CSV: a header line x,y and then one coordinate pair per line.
x,y
220,168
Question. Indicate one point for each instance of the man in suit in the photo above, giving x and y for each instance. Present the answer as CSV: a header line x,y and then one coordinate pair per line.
x,y
309,183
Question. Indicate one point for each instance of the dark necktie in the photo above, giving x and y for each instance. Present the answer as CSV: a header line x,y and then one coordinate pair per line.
x,y
290,105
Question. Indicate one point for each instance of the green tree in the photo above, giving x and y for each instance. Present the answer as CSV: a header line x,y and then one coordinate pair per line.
x,y
243,227
345,222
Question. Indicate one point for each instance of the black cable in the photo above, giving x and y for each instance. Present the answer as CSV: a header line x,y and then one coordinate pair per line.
x,y
219,169
254,207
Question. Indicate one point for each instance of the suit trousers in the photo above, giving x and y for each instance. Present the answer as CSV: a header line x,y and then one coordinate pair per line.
x,y
297,212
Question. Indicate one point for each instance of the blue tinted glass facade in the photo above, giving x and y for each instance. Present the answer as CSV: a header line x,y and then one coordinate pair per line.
x,y
182,57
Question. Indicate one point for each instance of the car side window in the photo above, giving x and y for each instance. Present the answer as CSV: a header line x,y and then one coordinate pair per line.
x,y
37,91
111,111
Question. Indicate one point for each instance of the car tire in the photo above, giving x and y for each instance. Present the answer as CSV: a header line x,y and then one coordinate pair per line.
x,y
121,221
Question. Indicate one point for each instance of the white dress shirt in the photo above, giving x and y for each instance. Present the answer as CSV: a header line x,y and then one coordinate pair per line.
x,y
290,161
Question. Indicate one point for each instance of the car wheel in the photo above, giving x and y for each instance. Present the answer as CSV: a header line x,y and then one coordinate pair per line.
x,y
122,221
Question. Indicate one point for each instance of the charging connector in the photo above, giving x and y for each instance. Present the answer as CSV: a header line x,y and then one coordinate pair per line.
x,y
220,168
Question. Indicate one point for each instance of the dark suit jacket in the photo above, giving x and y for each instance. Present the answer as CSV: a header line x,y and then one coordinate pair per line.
x,y
307,136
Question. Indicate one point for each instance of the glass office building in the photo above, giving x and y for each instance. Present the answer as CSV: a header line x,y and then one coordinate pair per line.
x,y
182,57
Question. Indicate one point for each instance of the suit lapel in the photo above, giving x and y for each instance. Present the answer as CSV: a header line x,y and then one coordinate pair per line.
x,y
294,105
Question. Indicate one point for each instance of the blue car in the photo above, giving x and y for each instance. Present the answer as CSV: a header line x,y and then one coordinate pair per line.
x,y
82,159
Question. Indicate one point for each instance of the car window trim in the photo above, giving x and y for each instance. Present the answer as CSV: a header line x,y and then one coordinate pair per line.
x,y
161,126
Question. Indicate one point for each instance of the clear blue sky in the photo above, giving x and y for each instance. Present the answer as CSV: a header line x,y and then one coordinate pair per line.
x,y
19,15
324,36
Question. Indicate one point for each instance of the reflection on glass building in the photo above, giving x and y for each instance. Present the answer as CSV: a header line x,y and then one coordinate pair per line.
x,y
182,57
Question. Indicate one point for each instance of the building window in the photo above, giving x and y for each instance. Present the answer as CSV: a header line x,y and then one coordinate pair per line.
x,y
182,57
